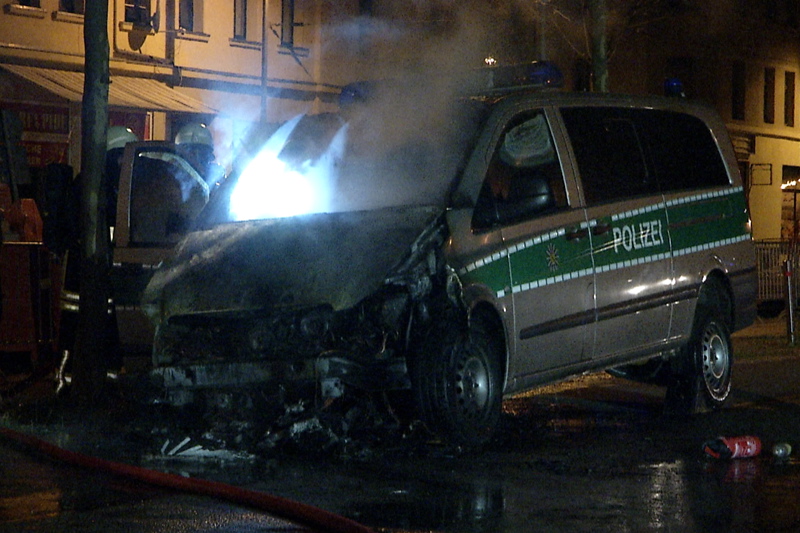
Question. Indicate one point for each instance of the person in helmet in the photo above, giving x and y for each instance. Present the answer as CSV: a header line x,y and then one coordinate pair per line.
x,y
117,137
196,144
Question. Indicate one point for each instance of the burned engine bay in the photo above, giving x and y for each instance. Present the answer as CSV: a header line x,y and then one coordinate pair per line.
x,y
338,309
316,267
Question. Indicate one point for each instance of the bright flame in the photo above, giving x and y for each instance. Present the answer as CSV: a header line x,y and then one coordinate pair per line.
x,y
271,188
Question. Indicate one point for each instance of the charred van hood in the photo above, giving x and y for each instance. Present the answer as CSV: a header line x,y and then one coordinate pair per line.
x,y
332,258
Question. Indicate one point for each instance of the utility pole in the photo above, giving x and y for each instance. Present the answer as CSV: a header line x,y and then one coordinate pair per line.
x,y
264,58
598,14
541,29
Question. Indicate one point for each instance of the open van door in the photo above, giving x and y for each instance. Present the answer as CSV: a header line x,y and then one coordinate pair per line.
x,y
159,197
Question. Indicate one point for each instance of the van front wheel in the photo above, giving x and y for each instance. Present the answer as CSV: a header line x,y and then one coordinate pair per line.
x,y
702,380
457,383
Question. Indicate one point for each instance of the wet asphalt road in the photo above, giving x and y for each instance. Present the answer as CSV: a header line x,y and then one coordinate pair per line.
x,y
594,454
39,495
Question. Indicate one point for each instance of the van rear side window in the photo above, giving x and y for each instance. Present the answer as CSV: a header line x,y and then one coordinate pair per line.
x,y
624,152
684,153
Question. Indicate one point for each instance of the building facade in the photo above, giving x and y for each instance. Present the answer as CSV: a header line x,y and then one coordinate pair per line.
x,y
743,57
171,62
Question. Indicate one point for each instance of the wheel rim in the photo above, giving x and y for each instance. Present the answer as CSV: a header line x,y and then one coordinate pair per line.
x,y
716,360
472,385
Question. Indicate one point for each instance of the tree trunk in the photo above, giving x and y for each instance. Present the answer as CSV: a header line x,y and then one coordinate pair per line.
x,y
90,358
598,11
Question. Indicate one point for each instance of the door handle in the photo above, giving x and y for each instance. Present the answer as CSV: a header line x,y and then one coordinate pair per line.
x,y
601,229
577,234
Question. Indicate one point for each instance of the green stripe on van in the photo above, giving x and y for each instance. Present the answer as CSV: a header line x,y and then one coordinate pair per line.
x,y
491,271
634,237
707,221
548,259
542,260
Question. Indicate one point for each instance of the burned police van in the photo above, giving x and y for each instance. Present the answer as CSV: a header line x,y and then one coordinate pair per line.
x,y
466,249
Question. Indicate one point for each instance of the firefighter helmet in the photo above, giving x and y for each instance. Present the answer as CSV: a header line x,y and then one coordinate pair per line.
x,y
194,134
119,136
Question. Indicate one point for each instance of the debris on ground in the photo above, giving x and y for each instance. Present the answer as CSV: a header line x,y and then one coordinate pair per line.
x,y
227,426
733,447
188,450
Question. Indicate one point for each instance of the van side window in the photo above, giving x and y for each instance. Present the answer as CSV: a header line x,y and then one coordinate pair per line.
x,y
524,178
624,152
167,194
684,152
610,154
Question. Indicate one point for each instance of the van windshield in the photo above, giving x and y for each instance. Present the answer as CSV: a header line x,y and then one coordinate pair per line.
x,y
167,195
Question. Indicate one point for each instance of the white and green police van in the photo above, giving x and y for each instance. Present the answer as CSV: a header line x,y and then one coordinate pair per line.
x,y
606,231
533,236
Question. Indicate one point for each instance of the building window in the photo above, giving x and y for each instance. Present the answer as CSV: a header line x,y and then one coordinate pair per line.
x,y
240,19
72,6
738,90
186,15
190,15
30,3
287,23
790,210
769,95
137,12
788,99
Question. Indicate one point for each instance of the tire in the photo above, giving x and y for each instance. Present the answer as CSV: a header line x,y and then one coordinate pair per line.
x,y
457,383
702,380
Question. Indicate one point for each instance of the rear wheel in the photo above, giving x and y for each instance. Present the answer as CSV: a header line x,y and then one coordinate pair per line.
x,y
458,384
702,378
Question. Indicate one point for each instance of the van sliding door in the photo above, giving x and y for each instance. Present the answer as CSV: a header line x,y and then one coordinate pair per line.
x,y
628,228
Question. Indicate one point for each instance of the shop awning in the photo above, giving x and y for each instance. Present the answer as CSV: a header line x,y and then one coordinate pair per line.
x,y
124,91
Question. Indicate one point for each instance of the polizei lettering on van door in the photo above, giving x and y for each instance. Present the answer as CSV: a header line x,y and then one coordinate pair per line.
x,y
638,236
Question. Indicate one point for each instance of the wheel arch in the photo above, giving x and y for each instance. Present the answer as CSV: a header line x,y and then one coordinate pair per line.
x,y
700,378
716,290
490,316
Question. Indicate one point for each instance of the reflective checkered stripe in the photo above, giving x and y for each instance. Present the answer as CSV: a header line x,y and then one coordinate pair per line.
x,y
707,221
542,260
636,237
491,271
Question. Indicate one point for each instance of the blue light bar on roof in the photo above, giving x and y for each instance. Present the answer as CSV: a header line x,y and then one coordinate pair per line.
x,y
537,75
674,87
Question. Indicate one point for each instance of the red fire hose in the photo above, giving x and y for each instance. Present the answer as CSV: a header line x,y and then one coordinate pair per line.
x,y
299,513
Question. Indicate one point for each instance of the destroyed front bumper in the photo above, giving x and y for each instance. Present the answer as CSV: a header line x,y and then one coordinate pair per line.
x,y
332,373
